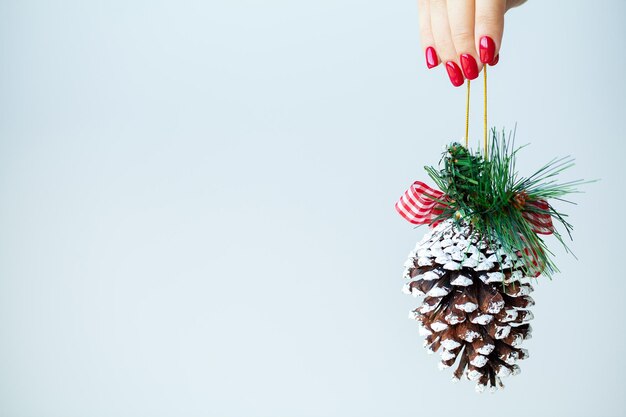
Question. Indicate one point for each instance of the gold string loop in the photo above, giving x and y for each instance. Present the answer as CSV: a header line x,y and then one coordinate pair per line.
x,y
467,112
467,108
485,110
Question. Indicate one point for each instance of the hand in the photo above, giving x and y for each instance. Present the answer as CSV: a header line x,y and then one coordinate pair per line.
x,y
464,34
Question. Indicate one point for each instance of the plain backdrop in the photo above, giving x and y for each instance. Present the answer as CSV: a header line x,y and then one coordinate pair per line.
x,y
196,207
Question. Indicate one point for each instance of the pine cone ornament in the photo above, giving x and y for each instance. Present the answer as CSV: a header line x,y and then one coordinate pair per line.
x,y
474,266
475,306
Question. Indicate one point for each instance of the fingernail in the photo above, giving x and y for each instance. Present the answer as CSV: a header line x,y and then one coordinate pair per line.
x,y
431,57
454,72
487,49
495,60
470,67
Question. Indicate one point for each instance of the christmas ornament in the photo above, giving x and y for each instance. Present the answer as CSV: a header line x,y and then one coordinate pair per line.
x,y
475,266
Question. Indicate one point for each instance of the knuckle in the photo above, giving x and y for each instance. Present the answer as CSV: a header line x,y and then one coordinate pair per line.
x,y
463,37
489,20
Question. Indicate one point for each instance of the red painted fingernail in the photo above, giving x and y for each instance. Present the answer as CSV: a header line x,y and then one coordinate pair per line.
x,y
431,57
495,60
454,72
470,67
487,49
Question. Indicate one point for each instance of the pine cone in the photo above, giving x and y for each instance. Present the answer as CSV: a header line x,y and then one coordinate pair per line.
x,y
475,303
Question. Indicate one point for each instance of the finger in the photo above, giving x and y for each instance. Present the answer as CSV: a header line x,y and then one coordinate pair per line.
x,y
489,28
426,34
461,17
440,27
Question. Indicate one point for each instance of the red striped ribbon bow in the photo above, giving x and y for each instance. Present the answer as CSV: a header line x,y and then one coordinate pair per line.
x,y
540,220
421,204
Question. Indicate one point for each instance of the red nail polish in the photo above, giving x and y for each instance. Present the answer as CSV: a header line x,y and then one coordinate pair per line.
x,y
495,60
470,67
454,72
487,49
431,57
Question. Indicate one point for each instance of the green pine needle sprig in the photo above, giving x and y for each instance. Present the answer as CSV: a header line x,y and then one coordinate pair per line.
x,y
490,196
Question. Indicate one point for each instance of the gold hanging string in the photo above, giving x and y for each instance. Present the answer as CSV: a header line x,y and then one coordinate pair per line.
x,y
485,109
467,112
467,108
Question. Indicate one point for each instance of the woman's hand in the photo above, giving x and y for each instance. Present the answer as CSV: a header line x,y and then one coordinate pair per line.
x,y
463,34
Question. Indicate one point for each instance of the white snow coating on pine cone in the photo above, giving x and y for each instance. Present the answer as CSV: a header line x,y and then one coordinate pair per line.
x,y
474,310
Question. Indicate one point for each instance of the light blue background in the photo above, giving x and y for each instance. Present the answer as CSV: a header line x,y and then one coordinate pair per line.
x,y
196,207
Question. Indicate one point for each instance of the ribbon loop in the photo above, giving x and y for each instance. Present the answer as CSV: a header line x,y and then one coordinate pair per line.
x,y
537,213
418,204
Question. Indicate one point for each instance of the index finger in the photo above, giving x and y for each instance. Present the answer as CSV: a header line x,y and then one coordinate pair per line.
x,y
426,33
